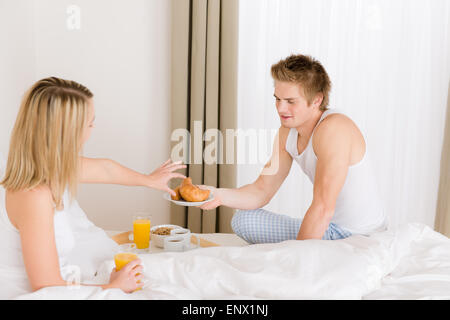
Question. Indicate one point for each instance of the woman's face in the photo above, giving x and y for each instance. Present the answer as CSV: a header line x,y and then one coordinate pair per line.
x,y
90,121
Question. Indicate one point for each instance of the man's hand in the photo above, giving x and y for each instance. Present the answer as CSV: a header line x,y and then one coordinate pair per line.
x,y
217,200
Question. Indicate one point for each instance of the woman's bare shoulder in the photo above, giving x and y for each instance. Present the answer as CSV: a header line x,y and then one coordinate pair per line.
x,y
39,193
22,203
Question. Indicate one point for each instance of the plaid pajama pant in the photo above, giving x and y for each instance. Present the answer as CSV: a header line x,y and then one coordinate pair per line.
x,y
262,226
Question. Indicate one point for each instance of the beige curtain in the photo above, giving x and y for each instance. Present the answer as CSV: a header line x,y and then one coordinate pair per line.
x,y
204,96
442,222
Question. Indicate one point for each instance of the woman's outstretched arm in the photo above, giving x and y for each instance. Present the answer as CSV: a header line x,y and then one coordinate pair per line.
x,y
111,172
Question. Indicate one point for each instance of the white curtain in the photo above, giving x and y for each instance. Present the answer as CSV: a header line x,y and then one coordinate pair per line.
x,y
389,63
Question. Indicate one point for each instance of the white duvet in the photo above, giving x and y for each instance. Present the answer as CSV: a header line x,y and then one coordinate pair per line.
x,y
411,262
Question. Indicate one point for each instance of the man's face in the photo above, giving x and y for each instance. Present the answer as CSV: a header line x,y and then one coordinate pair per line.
x,y
291,105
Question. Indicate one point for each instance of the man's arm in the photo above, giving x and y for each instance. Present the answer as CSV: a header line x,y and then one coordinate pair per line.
x,y
332,145
259,193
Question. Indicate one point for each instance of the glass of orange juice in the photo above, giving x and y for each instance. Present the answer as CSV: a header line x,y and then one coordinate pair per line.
x,y
125,254
141,231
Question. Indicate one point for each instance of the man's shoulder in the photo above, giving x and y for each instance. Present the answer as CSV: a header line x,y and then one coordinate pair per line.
x,y
335,126
336,131
335,120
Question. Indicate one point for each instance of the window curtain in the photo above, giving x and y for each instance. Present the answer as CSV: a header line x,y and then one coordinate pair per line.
x,y
389,63
442,223
204,98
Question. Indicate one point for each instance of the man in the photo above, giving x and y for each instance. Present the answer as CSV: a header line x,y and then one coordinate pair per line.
x,y
332,152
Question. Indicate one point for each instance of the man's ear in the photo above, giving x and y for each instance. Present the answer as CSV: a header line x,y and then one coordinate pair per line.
x,y
318,100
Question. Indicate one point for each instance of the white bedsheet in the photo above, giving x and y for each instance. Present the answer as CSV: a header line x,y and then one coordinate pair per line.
x,y
411,262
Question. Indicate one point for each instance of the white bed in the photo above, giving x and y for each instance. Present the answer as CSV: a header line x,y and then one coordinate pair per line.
x,y
410,262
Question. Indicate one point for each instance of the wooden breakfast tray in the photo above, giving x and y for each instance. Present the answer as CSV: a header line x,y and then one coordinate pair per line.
x,y
124,237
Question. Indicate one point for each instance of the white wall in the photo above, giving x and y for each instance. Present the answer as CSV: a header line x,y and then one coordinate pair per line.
x,y
16,62
122,53
389,63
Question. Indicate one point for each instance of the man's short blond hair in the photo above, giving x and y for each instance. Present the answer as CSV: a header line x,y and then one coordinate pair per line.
x,y
307,72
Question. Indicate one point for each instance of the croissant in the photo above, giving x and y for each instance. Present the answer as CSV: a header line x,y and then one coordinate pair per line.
x,y
192,193
177,196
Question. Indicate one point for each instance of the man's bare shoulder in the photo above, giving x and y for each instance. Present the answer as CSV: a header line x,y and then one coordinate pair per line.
x,y
335,132
335,126
335,120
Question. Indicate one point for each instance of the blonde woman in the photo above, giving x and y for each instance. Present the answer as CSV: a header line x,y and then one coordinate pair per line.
x,y
43,170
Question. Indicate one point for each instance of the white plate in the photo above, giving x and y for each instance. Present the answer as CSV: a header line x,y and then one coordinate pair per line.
x,y
187,203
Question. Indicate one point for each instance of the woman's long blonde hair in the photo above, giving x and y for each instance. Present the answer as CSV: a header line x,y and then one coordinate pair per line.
x,y
46,140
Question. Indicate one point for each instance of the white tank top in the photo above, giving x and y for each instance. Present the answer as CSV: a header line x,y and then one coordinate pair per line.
x,y
358,207
11,259
81,246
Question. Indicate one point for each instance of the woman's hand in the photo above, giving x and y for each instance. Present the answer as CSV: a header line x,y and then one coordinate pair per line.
x,y
214,203
159,178
129,278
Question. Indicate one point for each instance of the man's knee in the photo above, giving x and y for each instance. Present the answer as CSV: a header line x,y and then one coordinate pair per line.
x,y
236,221
240,223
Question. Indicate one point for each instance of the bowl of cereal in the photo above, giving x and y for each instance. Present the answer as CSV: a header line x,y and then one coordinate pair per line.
x,y
158,233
